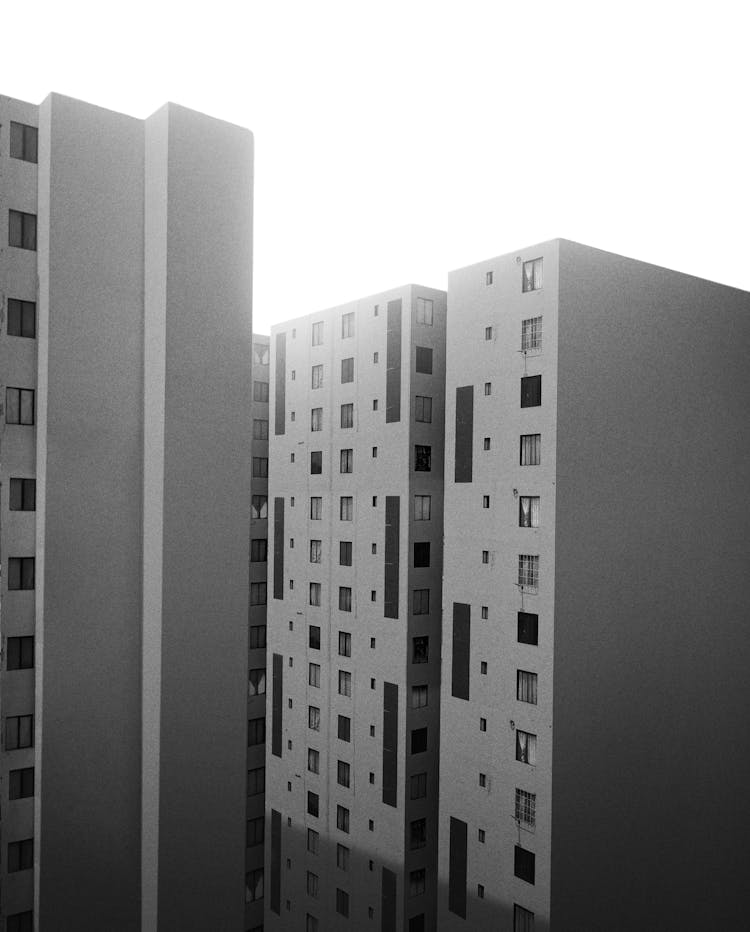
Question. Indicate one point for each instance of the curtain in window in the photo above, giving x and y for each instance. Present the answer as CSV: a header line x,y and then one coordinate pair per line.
x,y
535,502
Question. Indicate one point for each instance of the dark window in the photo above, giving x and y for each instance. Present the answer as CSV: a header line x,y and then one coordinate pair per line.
x,y
256,781
343,773
313,763
420,649
342,902
22,495
342,856
256,731
255,832
523,864
21,922
260,429
417,834
342,818
423,409
23,142
345,552
344,728
21,653
418,740
20,855
257,636
259,550
259,508
416,923
258,593
254,885
347,461
345,599
531,391
19,406
422,553
316,462
260,391
345,644
421,602
21,572
311,924
21,230
313,804
347,415
260,467
313,840
21,318
424,360
416,882
314,637
21,783
523,919
528,628
422,458
19,732
347,369
418,786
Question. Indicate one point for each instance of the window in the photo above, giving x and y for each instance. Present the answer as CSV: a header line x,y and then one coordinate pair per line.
x,y
254,885
525,807
312,884
314,637
22,495
483,724
260,354
313,840
316,547
313,804
313,760
532,275
19,406
483,779
347,415
344,728
417,834
346,508
375,358
419,697
483,667
422,458
531,449
345,683
528,628
23,142
257,637
256,781
418,786
259,550
260,391
526,686
523,919
20,855
421,553
342,902
480,835
424,311
292,416
21,230
487,443
343,773
21,922
485,556
416,923
317,333
531,391
423,409
420,649
21,318
21,572
528,572
416,882
311,924
257,682
342,819
316,419
421,602
21,783
294,379
488,333
485,501
347,370
258,593
523,864
255,832
347,325
260,429
528,511
316,508
345,644
374,404
347,461
260,467
345,599
485,612
345,553
316,462
424,360
422,507
313,675
525,747
317,377
418,740
259,507
313,718
256,731
19,732
531,334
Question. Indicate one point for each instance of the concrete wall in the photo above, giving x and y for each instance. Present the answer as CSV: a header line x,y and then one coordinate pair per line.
x,y
651,746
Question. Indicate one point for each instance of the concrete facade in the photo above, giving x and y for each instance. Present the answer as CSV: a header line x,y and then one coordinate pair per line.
x,y
351,801
140,606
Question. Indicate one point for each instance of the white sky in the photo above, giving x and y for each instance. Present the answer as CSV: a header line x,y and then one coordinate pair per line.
x,y
397,141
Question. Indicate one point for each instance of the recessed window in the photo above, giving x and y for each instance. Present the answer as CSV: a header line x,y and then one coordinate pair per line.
x,y
22,495
313,804
532,275
481,836
485,612
313,675
313,840
422,507
483,779
347,325
260,429
317,333
20,855
21,230
525,808
483,724
372,643
423,409
345,644
531,449
347,415
528,628
260,354
293,416
346,461
485,501
255,831
316,548
347,370
257,637
346,508
424,311
422,458
526,684
317,377
345,599
488,333
531,391
256,682
259,550
316,508
528,511
372,777
342,852
256,781
417,834
316,419
345,683
374,501
23,142
254,885
421,602
421,553
259,507
19,406
480,891
374,404
258,593
256,731
424,360
342,902
374,452
488,388
313,760
487,443
315,593
483,667
531,335
344,728
523,864
345,553
20,653
342,819
418,786
375,310
313,718
528,572
489,277
375,357
372,731
523,919
19,732
314,637
417,882
371,825
293,375
21,783
21,572
525,747
418,740
419,695
260,392
343,773
485,556
21,318
312,884
260,467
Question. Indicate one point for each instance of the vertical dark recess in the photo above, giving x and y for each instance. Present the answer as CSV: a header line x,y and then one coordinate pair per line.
x,y
461,650
278,548
390,744
457,868
278,673
280,375
276,862
387,901
393,364
464,433
391,556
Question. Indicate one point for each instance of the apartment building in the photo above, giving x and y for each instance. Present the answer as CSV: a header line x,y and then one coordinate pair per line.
x,y
256,702
354,614
594,689
125,285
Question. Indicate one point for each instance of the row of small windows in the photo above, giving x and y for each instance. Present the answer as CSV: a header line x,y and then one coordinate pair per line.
x,y
531,276
424,314
420,598
259,506
528,512
531,335
531,390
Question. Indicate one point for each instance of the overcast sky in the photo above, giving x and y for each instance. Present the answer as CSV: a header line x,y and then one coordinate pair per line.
x,y
397,141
